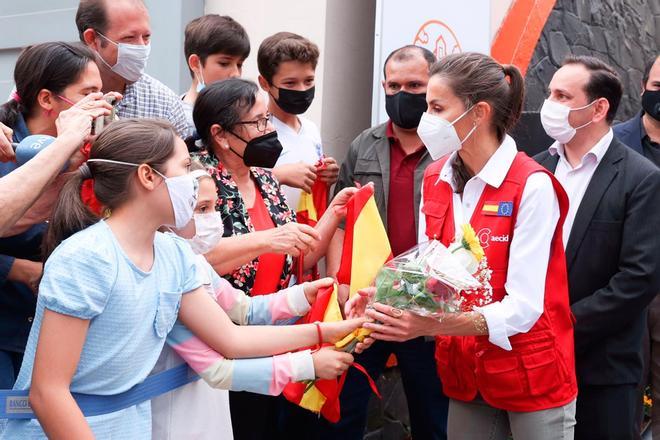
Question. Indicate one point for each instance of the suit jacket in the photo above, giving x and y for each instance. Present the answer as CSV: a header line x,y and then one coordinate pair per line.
x,y
631,132
613,260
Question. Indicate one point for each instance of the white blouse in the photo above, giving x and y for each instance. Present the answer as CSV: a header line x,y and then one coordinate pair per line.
x,y
529,248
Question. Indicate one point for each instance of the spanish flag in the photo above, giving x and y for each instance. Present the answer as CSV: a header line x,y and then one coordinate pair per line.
x,y
312,205
322,396
366,246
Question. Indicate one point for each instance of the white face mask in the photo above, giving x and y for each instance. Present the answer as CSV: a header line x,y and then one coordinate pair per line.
x,y
439,135
182,190
554,117
131,59
209,229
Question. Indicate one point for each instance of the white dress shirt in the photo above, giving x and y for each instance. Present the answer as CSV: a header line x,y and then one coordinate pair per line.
x,y
297,146
529,253
575,180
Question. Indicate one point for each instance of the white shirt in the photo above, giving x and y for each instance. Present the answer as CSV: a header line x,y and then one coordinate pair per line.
x,y
529,248
575,180
301,146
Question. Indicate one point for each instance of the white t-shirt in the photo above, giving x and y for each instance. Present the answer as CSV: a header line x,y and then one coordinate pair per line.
x,y
304,145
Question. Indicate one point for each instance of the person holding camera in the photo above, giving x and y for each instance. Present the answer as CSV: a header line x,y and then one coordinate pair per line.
x,y
57,94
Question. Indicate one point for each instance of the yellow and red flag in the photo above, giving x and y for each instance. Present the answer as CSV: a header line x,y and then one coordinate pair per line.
x,y
366,246
321,397
311,206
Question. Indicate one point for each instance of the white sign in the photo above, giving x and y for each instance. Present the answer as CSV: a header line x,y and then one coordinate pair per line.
x,y
442,26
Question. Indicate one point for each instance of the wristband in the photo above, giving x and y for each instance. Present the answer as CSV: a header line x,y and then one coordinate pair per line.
x,y
319,333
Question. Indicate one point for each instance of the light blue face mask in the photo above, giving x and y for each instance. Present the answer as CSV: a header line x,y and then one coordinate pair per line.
x,y
200,82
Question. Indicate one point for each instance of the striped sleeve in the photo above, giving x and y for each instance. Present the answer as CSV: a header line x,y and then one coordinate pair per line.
x,y
268,375
282,307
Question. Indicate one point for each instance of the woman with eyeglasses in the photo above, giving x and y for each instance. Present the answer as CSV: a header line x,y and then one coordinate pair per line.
x,y
261,236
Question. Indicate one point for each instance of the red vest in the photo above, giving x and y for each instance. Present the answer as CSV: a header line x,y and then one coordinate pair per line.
x,y
539,372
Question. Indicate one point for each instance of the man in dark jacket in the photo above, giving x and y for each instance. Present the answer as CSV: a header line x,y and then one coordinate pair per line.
x,y
611,239
642,134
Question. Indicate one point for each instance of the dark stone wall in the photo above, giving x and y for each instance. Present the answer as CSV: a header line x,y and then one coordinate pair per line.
x,y
623,33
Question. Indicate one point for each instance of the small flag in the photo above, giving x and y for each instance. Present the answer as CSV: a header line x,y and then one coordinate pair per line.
x,y
312,206
366,246
499,209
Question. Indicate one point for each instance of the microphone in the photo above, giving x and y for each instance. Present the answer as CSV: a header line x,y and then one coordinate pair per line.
x,y
31,146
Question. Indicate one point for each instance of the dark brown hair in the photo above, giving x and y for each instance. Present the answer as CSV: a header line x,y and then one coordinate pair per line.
x,y
409,52
93,14
475,77
215,34
603,82
137,141
282,47
51,66
223,103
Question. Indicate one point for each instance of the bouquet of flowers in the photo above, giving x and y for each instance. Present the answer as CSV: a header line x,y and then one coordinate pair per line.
x,y
431,279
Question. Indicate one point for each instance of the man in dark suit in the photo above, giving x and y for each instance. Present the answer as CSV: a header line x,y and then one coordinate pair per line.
x,y
612,242
642,134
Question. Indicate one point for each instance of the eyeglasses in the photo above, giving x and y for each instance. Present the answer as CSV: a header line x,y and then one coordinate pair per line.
x,y
261,123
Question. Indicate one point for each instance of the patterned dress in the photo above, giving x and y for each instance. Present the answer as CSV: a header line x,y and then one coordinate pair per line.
x,y
237,220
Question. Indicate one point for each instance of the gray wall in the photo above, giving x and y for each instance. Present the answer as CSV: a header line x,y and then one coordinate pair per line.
x,y
36,21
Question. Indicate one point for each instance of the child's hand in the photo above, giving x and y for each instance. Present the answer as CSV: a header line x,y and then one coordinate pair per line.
x,y
329,363
357,305
336,331
311,288
298,175
329,171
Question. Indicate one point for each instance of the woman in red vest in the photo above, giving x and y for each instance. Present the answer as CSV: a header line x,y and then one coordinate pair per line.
x,y
509,365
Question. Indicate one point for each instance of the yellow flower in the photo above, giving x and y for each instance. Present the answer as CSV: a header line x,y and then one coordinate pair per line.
x,y
471,242
647,401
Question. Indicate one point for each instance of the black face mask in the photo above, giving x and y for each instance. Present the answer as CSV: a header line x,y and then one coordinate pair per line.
x,y
651,103
405,109
294,102
262,151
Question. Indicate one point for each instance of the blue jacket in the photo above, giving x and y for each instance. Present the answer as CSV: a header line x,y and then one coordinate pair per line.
x,y
17,302
631,132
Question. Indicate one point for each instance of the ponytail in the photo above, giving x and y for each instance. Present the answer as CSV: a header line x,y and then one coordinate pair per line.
x,y
475,77
516,94
134,141
70,214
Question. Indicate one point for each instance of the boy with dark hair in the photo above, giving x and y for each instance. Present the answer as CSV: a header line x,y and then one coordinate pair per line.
x,y
287,64
215,47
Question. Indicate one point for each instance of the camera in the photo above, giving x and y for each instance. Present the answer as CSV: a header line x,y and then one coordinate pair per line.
x,y
99,123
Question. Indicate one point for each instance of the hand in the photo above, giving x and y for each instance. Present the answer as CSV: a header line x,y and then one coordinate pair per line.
x,y
6,151
118,97
26,272
399,325
356,306
77,120
312,288
292,238
336,331
330,363
330,171
366,343
298,175
338,204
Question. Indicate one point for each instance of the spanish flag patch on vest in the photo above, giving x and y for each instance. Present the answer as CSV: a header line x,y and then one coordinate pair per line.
x,y
499,209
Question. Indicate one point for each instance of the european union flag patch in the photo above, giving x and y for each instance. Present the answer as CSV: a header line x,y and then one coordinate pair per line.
x,y
499,209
